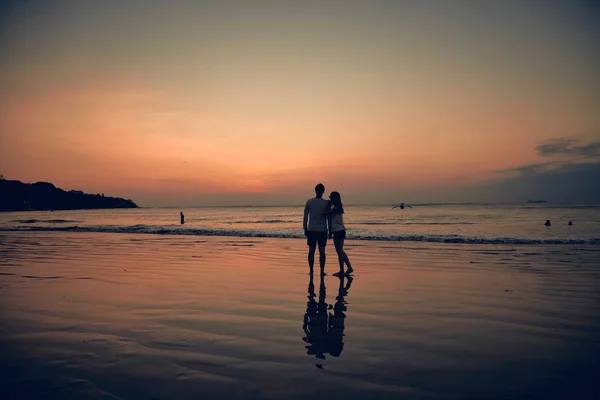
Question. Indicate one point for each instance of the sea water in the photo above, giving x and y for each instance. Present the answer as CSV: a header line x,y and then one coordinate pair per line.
x,y
450,223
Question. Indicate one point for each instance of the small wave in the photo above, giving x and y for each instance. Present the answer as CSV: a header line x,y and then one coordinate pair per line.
x,y
264,221
162,230
563,206
50,221
439,223
40,277
375,223
413,223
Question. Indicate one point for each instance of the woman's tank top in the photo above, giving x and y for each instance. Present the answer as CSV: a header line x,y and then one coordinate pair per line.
x,y
337,223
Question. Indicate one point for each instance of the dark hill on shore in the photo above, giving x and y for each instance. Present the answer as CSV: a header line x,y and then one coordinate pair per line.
x,y
19,196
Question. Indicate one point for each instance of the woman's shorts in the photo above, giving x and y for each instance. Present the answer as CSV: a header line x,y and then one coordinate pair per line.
x,y
339,235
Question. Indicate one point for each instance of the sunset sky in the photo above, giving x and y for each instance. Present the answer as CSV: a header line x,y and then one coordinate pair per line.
x,y
254,102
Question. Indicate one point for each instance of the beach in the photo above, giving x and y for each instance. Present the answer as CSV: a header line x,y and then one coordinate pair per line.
x,y
139,316
167,169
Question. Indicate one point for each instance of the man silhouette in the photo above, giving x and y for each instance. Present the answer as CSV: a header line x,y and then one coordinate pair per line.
x,y
316,322
315,227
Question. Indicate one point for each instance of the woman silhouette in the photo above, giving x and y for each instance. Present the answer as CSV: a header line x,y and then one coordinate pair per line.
x,y
337,230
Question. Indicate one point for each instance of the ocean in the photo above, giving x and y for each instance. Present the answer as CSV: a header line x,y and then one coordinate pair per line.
x,y
518,224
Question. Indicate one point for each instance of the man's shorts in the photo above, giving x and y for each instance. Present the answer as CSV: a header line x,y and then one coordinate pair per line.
x,y
314,237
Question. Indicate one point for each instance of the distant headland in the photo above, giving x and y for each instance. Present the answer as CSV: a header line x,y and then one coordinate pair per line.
x,y
19,196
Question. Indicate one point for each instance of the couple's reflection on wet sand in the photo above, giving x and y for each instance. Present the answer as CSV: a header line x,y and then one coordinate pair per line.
x,y
324,329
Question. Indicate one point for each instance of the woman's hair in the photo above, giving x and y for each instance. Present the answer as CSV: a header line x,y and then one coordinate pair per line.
x,y
336,200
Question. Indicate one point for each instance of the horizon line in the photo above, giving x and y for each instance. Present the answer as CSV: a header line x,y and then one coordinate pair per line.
x,y
383,204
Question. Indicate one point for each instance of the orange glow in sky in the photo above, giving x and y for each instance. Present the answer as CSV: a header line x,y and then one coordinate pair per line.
x,y
267,100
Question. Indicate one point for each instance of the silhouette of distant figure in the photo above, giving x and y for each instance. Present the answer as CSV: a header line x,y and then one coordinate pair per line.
x,y
337,230
570,223
401,206
182,218
547,222
315,227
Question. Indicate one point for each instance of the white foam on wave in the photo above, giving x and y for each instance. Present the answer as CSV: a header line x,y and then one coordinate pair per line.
x,y
435,238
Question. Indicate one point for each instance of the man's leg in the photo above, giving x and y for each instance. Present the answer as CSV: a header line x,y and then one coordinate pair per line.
x,y
311,257
322,258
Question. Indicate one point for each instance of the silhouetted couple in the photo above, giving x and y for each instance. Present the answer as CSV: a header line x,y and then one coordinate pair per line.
x,y
324,331
320,218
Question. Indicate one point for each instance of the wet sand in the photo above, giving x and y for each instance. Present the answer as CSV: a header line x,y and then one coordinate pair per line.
x,y
122,316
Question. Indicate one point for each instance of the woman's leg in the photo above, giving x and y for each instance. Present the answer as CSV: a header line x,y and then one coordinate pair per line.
x,y
342,256
339,248
345,258
347,261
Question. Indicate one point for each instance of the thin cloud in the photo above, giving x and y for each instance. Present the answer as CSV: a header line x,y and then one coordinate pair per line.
x,y
534,168
558,148
569,147
177,181
569,182
570,176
